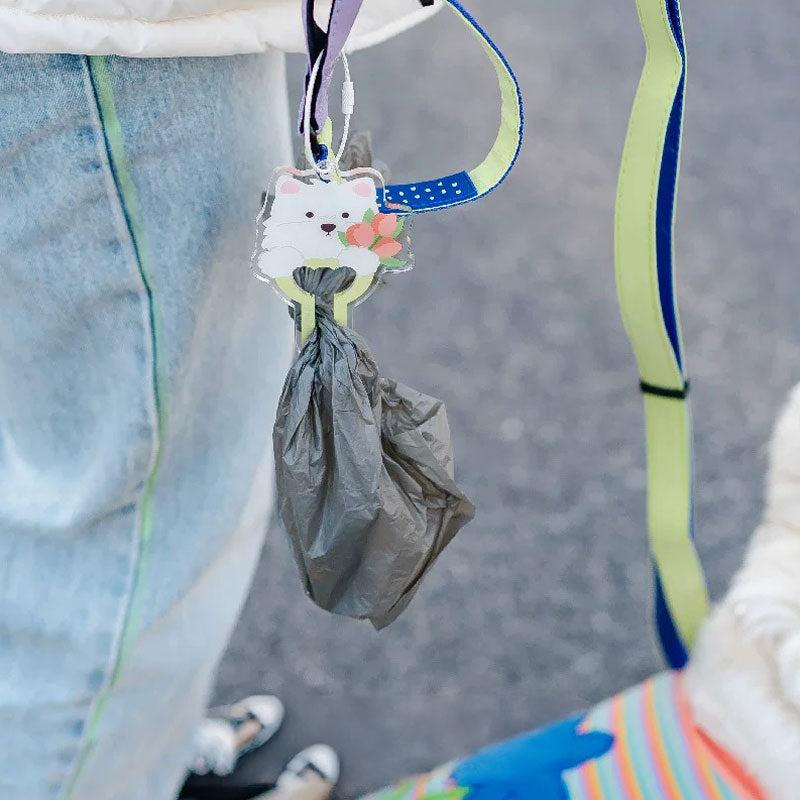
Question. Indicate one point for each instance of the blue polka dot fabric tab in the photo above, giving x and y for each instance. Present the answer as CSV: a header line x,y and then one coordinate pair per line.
x,y
431,195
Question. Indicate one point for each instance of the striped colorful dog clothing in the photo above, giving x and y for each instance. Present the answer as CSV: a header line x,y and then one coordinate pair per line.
x,y
640,745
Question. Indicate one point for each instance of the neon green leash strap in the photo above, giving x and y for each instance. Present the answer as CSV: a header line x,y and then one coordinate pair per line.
x,y
645,283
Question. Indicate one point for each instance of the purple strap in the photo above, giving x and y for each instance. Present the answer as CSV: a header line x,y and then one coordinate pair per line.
x,y
329,44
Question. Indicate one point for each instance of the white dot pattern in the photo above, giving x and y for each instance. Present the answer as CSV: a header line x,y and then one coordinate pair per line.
x,y
433,194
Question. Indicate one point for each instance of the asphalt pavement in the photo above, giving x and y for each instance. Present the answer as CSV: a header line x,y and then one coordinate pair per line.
x,y
541,605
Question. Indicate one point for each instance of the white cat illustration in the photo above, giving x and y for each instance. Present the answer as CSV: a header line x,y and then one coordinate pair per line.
x,y
305,221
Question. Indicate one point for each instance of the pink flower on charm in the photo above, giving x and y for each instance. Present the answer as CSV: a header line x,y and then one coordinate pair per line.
x,y
384,224
360,235
387,248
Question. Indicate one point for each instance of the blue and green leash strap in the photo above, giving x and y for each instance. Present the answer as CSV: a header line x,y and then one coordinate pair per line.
x,y
437,193
645,272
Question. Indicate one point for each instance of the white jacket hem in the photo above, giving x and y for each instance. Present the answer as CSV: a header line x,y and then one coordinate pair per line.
x,y
249,30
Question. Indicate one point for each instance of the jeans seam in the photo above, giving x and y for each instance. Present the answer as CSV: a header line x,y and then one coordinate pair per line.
x,y
122,195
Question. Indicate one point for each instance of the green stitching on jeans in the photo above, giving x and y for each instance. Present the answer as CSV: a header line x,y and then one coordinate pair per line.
x,y
128,198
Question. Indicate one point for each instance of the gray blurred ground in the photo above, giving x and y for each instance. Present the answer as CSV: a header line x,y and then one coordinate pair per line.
x,y
540,607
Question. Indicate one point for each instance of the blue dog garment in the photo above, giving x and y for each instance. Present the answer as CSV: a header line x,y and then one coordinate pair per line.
x,y
640,745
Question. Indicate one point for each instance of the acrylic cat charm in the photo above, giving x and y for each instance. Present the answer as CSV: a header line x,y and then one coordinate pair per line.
x,y
343,222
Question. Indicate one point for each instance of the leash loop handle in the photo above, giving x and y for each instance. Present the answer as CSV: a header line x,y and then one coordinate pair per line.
x,y
325,48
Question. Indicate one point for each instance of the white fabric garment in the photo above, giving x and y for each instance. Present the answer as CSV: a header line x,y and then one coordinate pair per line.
x,y
154,28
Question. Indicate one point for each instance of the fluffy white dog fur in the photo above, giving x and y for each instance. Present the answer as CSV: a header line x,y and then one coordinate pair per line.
x,y
743,681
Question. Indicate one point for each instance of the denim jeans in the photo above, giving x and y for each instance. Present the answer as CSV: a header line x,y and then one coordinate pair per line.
x,y
140,366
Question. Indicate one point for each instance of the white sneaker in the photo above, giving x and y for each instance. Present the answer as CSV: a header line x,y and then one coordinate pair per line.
x,y
311,775
231,731
319,760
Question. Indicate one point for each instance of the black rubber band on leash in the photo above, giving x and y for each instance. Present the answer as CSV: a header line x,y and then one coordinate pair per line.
x,y
660,391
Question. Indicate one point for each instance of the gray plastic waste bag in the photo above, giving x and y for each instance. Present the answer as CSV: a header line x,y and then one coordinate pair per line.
x,y
364,471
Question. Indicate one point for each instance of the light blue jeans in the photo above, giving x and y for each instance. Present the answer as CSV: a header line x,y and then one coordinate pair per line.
x,y
140,366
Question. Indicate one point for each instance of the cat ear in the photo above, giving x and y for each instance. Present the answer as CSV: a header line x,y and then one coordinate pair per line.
x,y
286,184
363,187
